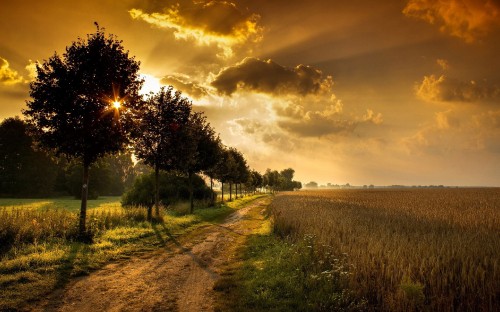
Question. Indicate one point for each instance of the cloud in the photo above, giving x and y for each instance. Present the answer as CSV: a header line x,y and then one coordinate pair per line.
x,y
263,131
443,89
455,131
315,124
8,76
214,22
249,126
183,84
269,77
372,117
446,120
443,134
307,119
31,69
443,64
466,19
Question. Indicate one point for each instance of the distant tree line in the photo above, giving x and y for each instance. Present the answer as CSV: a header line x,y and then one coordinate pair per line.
x,y
85,109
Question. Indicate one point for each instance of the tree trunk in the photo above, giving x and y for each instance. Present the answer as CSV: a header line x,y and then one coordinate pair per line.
x,y
212,191
150,213
236,191
191,199
222,189
83,208
157,192
230,191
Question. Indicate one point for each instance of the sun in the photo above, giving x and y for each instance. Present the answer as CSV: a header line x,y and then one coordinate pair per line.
x,y
116,104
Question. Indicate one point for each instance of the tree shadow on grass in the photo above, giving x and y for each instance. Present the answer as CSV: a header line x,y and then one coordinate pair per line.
x,y
65,270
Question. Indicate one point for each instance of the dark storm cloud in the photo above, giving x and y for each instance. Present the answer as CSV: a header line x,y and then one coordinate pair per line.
x,y
269,77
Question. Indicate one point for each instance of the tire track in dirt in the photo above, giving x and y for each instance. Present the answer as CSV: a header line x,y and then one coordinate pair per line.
x,y
179,277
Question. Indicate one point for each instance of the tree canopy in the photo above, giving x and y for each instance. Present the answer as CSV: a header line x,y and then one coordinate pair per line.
x,y
84,103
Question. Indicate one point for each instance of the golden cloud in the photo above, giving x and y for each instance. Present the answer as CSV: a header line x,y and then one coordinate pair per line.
x,y
184,85
213,22
31,69
466,19
489,120
443,89
372,117
443,64
269,77
8,76
451,131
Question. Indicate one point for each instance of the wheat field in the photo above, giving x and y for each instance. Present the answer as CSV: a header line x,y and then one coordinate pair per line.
x,y
409,249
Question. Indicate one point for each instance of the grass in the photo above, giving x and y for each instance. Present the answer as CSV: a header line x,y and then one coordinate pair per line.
x,y
433,249
66,203
40,254
274,274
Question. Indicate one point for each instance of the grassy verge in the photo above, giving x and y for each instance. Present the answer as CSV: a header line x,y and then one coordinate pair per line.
x,y
275,274
36,264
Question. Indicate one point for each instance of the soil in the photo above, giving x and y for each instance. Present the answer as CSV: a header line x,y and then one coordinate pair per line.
x,y
179,277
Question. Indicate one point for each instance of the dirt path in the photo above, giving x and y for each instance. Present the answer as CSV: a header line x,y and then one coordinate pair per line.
x,y
179,277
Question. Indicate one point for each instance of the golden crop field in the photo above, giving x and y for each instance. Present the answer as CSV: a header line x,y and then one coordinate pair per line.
x,y
409,249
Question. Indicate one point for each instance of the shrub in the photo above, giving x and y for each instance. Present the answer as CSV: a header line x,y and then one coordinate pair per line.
x,y
173,188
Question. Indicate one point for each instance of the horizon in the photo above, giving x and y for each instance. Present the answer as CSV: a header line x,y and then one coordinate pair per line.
x,y
401,93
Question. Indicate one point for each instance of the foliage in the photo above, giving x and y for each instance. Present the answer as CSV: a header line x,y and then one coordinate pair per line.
x,y
24,170
198,149
425,249
281,181
71,109
165,113
173,188
110,176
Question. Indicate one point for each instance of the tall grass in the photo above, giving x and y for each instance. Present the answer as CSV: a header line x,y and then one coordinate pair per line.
x,y
410,249
20,226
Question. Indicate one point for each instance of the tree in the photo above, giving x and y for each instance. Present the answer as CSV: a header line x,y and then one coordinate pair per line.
x,y
84,102
312,184
215,155
164,115
242,172
236,169
224,168
254,180
197,149
173,188
24,170
111,175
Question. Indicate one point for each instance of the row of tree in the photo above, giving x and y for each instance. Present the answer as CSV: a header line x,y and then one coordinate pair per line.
x,y
86,105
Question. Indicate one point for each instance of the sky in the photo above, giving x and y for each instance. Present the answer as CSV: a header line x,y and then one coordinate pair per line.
x,y
360,92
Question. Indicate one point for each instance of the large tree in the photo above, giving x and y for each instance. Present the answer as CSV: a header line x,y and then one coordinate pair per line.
x,y
84,102
165,114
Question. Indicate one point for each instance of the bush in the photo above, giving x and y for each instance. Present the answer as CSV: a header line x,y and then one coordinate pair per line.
x,y
172,188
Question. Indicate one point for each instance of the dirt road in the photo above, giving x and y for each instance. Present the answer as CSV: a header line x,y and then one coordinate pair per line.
x,y
179,277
